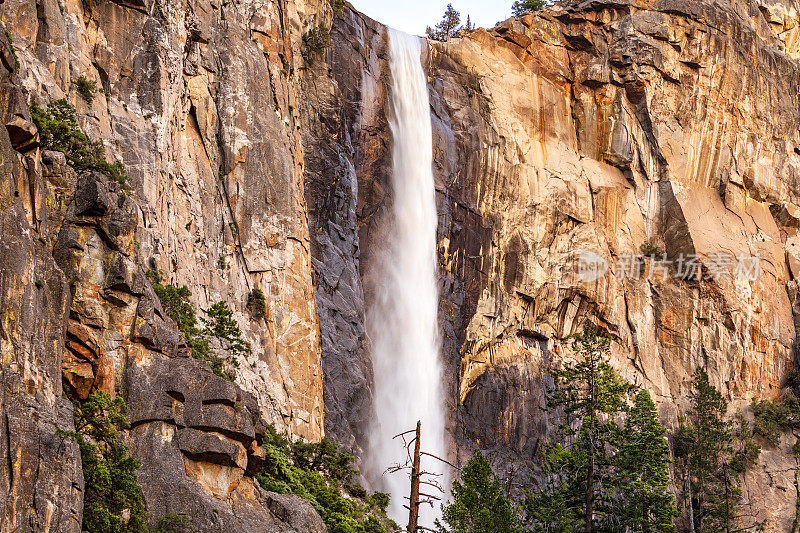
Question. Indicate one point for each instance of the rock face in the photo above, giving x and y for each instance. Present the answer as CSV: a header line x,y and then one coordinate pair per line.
x,y
614,127
198,99
214,200
41,488
606,127
610,127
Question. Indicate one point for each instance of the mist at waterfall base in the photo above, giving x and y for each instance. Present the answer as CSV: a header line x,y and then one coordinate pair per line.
x,y
402,319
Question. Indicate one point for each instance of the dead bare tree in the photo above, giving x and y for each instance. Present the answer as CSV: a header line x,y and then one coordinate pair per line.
x,y
418,477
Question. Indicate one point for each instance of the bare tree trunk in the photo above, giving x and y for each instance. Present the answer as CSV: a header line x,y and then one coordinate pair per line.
x,y
589,503
727,506
413,503
691,508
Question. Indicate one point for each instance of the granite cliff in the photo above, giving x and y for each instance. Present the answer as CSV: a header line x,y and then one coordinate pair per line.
x,y
257,161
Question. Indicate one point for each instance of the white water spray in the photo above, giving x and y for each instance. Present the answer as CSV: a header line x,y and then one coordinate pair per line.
x,y
402,321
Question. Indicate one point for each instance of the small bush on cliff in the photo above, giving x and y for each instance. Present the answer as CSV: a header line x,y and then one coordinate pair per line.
x,y
520,7
13,51
773,417
315,41
323,475
337,6
175,301
112,501
86,88
59,131
257,303
651,249
221,324
173,523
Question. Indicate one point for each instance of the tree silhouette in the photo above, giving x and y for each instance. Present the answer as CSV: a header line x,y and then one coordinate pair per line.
x,y
448,26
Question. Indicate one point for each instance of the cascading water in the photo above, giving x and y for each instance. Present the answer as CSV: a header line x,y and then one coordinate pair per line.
x,y
402,320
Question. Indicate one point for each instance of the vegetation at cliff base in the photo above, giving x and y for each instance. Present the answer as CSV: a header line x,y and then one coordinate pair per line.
x,y
712,452
323,475
599,473
479,503
608,465
59,131
112,500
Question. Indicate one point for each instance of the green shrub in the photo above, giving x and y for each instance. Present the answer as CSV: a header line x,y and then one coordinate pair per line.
x,y
337,6
323,475
86,88
793,382
173,523
651,249
380,500
13,50
315,41
257,304
175,301
520,7
479,502
221,324
770,418
58,130
111,488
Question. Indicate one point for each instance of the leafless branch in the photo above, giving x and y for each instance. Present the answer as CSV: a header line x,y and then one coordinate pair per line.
x,y
445,461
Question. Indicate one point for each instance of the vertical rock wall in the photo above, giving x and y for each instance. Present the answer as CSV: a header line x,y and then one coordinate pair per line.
x,y
199,100
602,126
40,469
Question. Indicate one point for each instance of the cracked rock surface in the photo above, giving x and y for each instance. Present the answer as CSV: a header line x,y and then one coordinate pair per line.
x,y
609,126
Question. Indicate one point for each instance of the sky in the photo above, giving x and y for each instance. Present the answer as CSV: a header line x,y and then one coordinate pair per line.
x,y
412,16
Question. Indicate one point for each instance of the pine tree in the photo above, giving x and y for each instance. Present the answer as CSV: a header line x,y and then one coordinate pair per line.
x,y
645,503
713,453
469,25
579,473
520,7
479,504
447,27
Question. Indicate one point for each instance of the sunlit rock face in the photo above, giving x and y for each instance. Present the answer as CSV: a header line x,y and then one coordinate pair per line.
x,y
199,99
606,127
609,127
603,126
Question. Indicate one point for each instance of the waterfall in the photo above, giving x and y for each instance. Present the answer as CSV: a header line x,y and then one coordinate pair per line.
x,y
402,319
